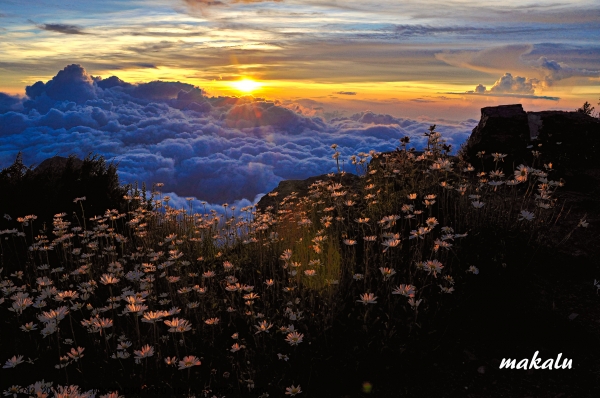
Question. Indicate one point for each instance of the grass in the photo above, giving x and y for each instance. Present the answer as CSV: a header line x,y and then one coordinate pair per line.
x,y
167,302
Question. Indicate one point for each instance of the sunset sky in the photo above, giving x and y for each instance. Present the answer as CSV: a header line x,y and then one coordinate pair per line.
x,y
420,61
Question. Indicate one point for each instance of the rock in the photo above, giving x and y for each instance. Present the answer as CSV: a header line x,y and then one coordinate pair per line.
x,y
57,164
502,129
301,187
570,141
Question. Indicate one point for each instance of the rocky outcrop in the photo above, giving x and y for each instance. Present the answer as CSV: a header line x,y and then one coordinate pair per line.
x,y
301,187
57,164
570,140
503,129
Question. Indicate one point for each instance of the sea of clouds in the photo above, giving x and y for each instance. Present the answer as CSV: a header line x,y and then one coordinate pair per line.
x,y
216,149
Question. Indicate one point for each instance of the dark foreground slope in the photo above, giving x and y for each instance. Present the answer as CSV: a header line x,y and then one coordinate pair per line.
x,y
546,303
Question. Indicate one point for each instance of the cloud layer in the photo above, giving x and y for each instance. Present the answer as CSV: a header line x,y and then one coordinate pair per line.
x,y
217,149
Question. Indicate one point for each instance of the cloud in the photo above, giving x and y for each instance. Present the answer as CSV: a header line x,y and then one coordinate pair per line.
x,y
426,30
10,103
71,84
217,149
490,60
510,86
61,28
509,95
346,92
202,6
208,3
555,71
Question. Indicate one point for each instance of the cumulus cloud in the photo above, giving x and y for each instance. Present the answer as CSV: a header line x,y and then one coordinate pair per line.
x,y
510,86
217,149
70,84
480,89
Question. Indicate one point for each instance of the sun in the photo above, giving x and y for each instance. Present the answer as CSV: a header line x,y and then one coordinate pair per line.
x,y
246,85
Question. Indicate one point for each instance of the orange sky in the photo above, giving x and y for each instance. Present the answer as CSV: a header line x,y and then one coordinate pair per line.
x,y
402,58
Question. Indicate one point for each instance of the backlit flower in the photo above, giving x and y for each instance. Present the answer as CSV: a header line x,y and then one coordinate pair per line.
x,y
28,327
526,215
444,289
283,356
236,347
294,338
188,362
153,316
368,298
414,304
13,362
473,269
387,272
293,390
405,290
263,327
54,315
108,279
477,204
146,352
433,266
171,361
178,325
75,354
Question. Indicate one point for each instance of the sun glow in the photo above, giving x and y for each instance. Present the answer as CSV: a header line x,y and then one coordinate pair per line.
x,y
246,85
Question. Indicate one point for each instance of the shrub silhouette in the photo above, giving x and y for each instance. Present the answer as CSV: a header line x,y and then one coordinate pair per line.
x,y
52,187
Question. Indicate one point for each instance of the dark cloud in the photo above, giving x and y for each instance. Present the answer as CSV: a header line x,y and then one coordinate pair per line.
x,y
346,92
70,84
145,65
151,47
61,28
217,149
423,30
555,71
10,103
